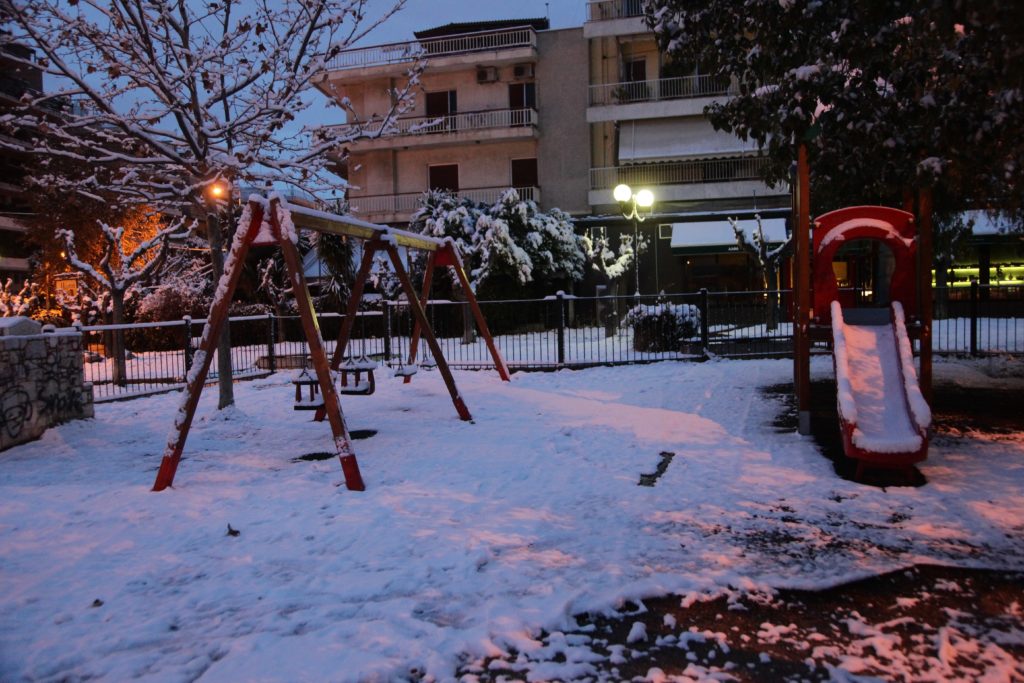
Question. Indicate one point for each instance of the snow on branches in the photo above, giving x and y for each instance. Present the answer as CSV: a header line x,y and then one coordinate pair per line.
x,y
603,259
18,302
179,94
887,96
510,239
117,271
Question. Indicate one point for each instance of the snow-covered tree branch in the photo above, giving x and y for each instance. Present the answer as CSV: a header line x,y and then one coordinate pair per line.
x,y
16,302
178,95
117,271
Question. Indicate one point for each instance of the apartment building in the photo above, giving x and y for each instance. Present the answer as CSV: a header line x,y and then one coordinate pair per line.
x,y
564,116
647,130
497,107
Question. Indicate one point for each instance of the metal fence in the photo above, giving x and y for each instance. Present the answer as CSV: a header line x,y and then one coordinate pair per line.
x,y
557,331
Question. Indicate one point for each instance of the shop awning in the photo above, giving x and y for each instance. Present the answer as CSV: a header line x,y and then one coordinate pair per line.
x,y
717,237
649,140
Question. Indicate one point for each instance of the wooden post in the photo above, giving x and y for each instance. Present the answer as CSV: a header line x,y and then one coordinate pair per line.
x,y
924,261
196,377
414,342
311,328
421,318
451,258
802,352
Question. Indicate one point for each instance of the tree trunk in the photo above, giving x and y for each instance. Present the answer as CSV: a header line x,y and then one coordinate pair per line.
x,y
227,395
119,369
771,284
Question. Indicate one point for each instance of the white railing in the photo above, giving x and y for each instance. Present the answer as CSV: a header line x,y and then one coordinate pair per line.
x,y
452,123
602,10
409,202
701,85
678,172
397,53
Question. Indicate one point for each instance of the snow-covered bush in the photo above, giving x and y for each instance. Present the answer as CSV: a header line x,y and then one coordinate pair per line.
x,y
662,326
506,245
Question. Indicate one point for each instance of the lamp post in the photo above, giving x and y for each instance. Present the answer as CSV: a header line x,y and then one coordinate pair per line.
x,y
631,206
216,193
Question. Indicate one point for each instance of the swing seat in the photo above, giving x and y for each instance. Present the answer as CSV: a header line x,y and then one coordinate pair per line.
x,y
307,391
406,371
353,382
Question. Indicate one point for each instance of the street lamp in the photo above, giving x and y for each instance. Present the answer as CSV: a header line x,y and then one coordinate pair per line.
x,y
632,206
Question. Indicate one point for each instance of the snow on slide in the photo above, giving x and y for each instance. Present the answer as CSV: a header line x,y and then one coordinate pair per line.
x,y
880,404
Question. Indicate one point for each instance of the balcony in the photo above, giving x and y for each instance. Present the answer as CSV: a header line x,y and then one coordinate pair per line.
x,y
400,207
422,131
512,45
659,98
605,10
688,180
614,18
660,89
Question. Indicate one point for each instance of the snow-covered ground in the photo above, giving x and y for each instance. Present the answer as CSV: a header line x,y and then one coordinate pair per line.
x,y
470,536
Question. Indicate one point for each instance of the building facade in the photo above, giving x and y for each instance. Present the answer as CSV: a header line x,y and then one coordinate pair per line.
x,y
563,116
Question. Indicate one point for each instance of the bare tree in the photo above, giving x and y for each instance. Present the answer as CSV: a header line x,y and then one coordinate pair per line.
x,y
116,272
179,95
768,260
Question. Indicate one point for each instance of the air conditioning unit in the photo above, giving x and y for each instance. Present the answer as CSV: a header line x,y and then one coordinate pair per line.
x,y
522,71
486,74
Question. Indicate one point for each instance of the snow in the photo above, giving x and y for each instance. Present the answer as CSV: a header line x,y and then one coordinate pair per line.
x,y
872,380
470,537
919,408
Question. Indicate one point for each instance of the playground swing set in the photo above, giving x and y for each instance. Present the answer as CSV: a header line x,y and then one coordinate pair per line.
x,y
883,403
271,221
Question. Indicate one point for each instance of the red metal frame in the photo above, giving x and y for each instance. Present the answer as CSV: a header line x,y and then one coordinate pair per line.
x,y
893,227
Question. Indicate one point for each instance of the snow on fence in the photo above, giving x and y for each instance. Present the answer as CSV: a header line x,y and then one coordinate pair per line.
x,y
557,331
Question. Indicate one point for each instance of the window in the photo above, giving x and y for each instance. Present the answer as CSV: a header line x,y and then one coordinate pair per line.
x,y
444,177
522,96
524,173
442,103
634,70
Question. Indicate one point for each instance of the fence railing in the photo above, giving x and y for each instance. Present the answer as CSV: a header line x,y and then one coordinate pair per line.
x,y
397,53
409,202
447,124
557,331
602,10
678,172
681,87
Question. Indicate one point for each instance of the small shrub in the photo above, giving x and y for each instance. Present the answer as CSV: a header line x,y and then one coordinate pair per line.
x,y
663,326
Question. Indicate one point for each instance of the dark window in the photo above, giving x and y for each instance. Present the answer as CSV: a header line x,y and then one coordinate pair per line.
x,y
635,70
524,173
442,103
444,177
522,96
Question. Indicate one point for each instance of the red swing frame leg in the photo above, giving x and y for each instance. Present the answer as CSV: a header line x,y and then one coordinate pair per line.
x,y
211,334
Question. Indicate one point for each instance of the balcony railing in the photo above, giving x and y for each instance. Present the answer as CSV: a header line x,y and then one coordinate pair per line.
x,y
452,123
656,90
603,10
678,172
409,202
397,53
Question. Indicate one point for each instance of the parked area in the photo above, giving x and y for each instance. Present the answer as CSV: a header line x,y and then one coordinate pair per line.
x,y
554,332
526,544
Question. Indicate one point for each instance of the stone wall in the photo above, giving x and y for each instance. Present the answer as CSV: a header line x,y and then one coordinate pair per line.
x,y
41,380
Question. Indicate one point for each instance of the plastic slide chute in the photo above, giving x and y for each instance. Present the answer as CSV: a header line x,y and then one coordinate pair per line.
x,y
884,418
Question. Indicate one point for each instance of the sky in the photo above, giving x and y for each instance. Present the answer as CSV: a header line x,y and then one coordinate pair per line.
x,y
423,14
